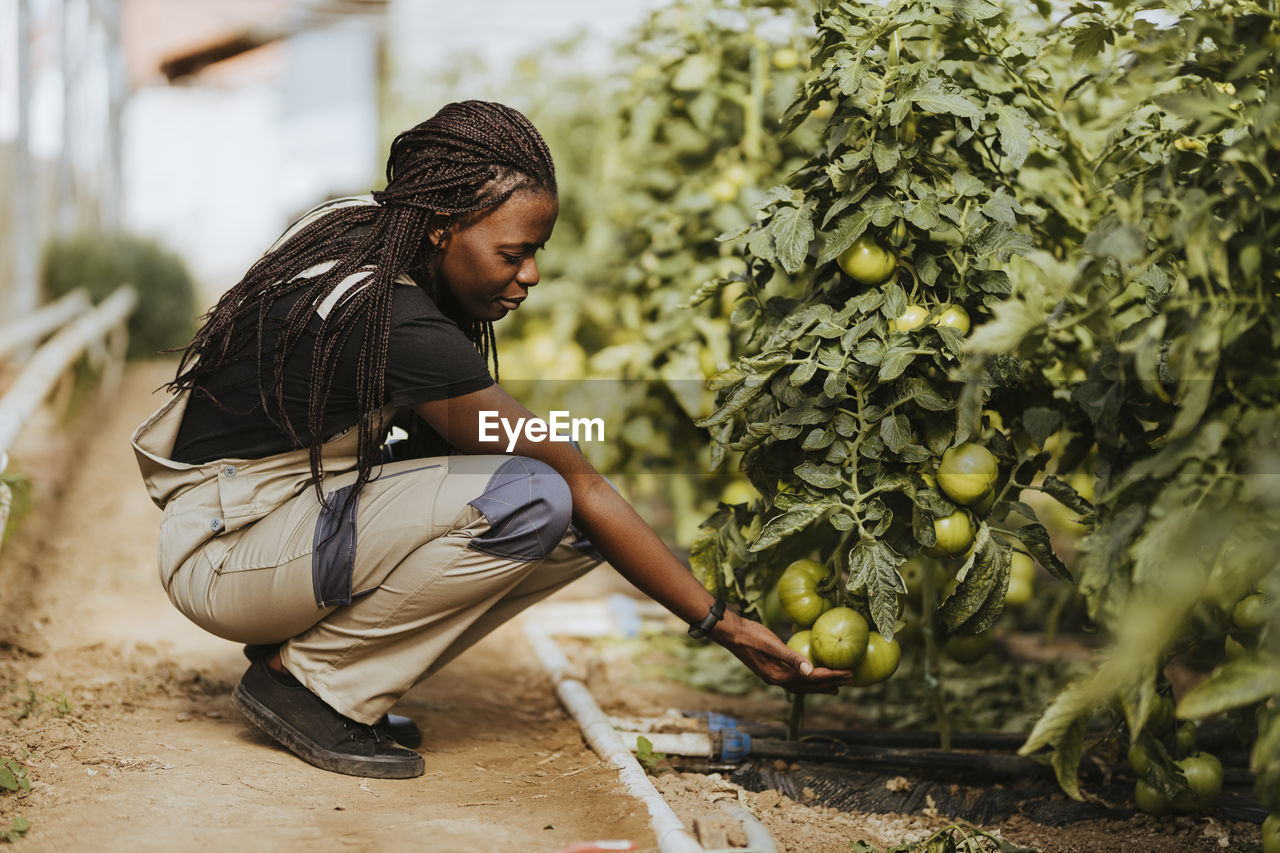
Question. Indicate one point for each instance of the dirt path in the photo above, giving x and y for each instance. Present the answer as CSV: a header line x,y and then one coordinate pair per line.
x,y
148,752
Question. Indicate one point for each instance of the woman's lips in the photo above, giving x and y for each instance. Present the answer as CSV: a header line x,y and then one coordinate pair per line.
x,y
510,304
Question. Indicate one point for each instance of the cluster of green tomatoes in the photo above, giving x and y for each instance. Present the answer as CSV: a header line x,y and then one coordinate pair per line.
x,y
869,263
835,637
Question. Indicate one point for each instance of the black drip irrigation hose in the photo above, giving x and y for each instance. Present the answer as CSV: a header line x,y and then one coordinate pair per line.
x,y
1008,766
912,740
1214,738
842,769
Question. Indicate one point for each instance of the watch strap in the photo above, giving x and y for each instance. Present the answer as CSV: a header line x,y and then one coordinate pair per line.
x,y
702,628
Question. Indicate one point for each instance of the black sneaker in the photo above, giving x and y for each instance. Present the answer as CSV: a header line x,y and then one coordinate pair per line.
x,y
285,709
402,730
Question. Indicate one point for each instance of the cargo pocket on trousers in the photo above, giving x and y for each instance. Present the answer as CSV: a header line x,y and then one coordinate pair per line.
x,y
333,554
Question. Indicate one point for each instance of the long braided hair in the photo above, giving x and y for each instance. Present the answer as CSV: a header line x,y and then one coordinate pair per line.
x,y
467,158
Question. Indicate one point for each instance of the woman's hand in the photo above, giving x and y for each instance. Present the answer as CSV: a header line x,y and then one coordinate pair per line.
x,y
767,656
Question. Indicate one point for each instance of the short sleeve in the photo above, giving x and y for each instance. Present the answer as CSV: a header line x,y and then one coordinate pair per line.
x,y
428,357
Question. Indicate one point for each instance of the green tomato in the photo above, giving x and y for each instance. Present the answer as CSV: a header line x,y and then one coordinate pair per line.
x,y
912,574
736,174
1203,772
1185,738
839,638
785,59
880,661
954,533
798,593
912,318
801,641
968,649
1139,760
772,609
966,473
1271,834
1149,799
810,568
866,261
954,317
1022,573
1250,612
723,191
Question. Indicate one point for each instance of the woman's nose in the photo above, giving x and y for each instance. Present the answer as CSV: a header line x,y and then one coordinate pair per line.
x,y
528,275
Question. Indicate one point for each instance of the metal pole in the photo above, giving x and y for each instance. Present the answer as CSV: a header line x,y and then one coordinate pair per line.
x,y
117,93
67,64
25,237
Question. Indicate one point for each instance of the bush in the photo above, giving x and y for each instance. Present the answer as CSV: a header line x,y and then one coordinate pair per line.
x,y
166,312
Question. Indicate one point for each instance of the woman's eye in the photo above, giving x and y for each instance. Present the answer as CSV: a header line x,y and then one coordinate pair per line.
x,y
511,259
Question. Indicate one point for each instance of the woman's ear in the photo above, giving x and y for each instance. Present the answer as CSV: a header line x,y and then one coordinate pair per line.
x,y
438,229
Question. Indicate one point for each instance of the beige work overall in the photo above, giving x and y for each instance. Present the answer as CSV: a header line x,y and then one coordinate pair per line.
x,y
370,596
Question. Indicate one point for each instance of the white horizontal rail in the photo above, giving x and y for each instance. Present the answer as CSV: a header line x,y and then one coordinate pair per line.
x,y
41,322
51,361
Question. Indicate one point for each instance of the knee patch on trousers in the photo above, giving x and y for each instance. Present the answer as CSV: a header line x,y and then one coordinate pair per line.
x,y
528,507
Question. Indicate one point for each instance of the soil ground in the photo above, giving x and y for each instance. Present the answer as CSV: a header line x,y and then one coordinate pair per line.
x,y
121,711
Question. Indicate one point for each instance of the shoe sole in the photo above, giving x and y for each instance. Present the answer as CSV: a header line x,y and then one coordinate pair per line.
x,y
375,767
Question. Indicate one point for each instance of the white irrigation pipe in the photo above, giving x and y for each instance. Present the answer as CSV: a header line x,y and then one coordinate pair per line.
x,y
693,744
671,833
51,361
608,743
758,838
41,322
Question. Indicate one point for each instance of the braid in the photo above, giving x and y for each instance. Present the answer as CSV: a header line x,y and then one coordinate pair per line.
x,y
469,157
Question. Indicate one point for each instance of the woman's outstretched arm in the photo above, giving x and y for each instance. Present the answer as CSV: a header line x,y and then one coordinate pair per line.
x,y
626,540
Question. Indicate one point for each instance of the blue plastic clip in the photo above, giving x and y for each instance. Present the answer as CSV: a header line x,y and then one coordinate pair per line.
x,y
735,745
718,722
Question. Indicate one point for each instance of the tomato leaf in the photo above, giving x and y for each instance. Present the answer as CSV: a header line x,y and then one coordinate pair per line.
x,y
1036,539
936,97
1252,677
790,522
821,475
1089,39
1040,423
1064,494
792,229
979,598
919,391
1066,759
894,362
873,566
1014,126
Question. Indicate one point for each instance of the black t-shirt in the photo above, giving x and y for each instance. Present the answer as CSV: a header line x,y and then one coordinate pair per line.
x,y
429,358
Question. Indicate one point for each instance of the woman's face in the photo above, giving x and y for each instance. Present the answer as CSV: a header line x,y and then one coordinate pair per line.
x,y
487,264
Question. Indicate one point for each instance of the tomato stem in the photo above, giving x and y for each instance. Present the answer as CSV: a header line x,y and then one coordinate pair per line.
x,y
795,720
932,667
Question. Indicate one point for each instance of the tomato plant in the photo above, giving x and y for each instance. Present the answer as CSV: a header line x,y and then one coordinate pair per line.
x,y
1169,321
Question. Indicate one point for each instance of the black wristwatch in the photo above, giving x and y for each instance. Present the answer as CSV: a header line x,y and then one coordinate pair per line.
x,y
701,629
